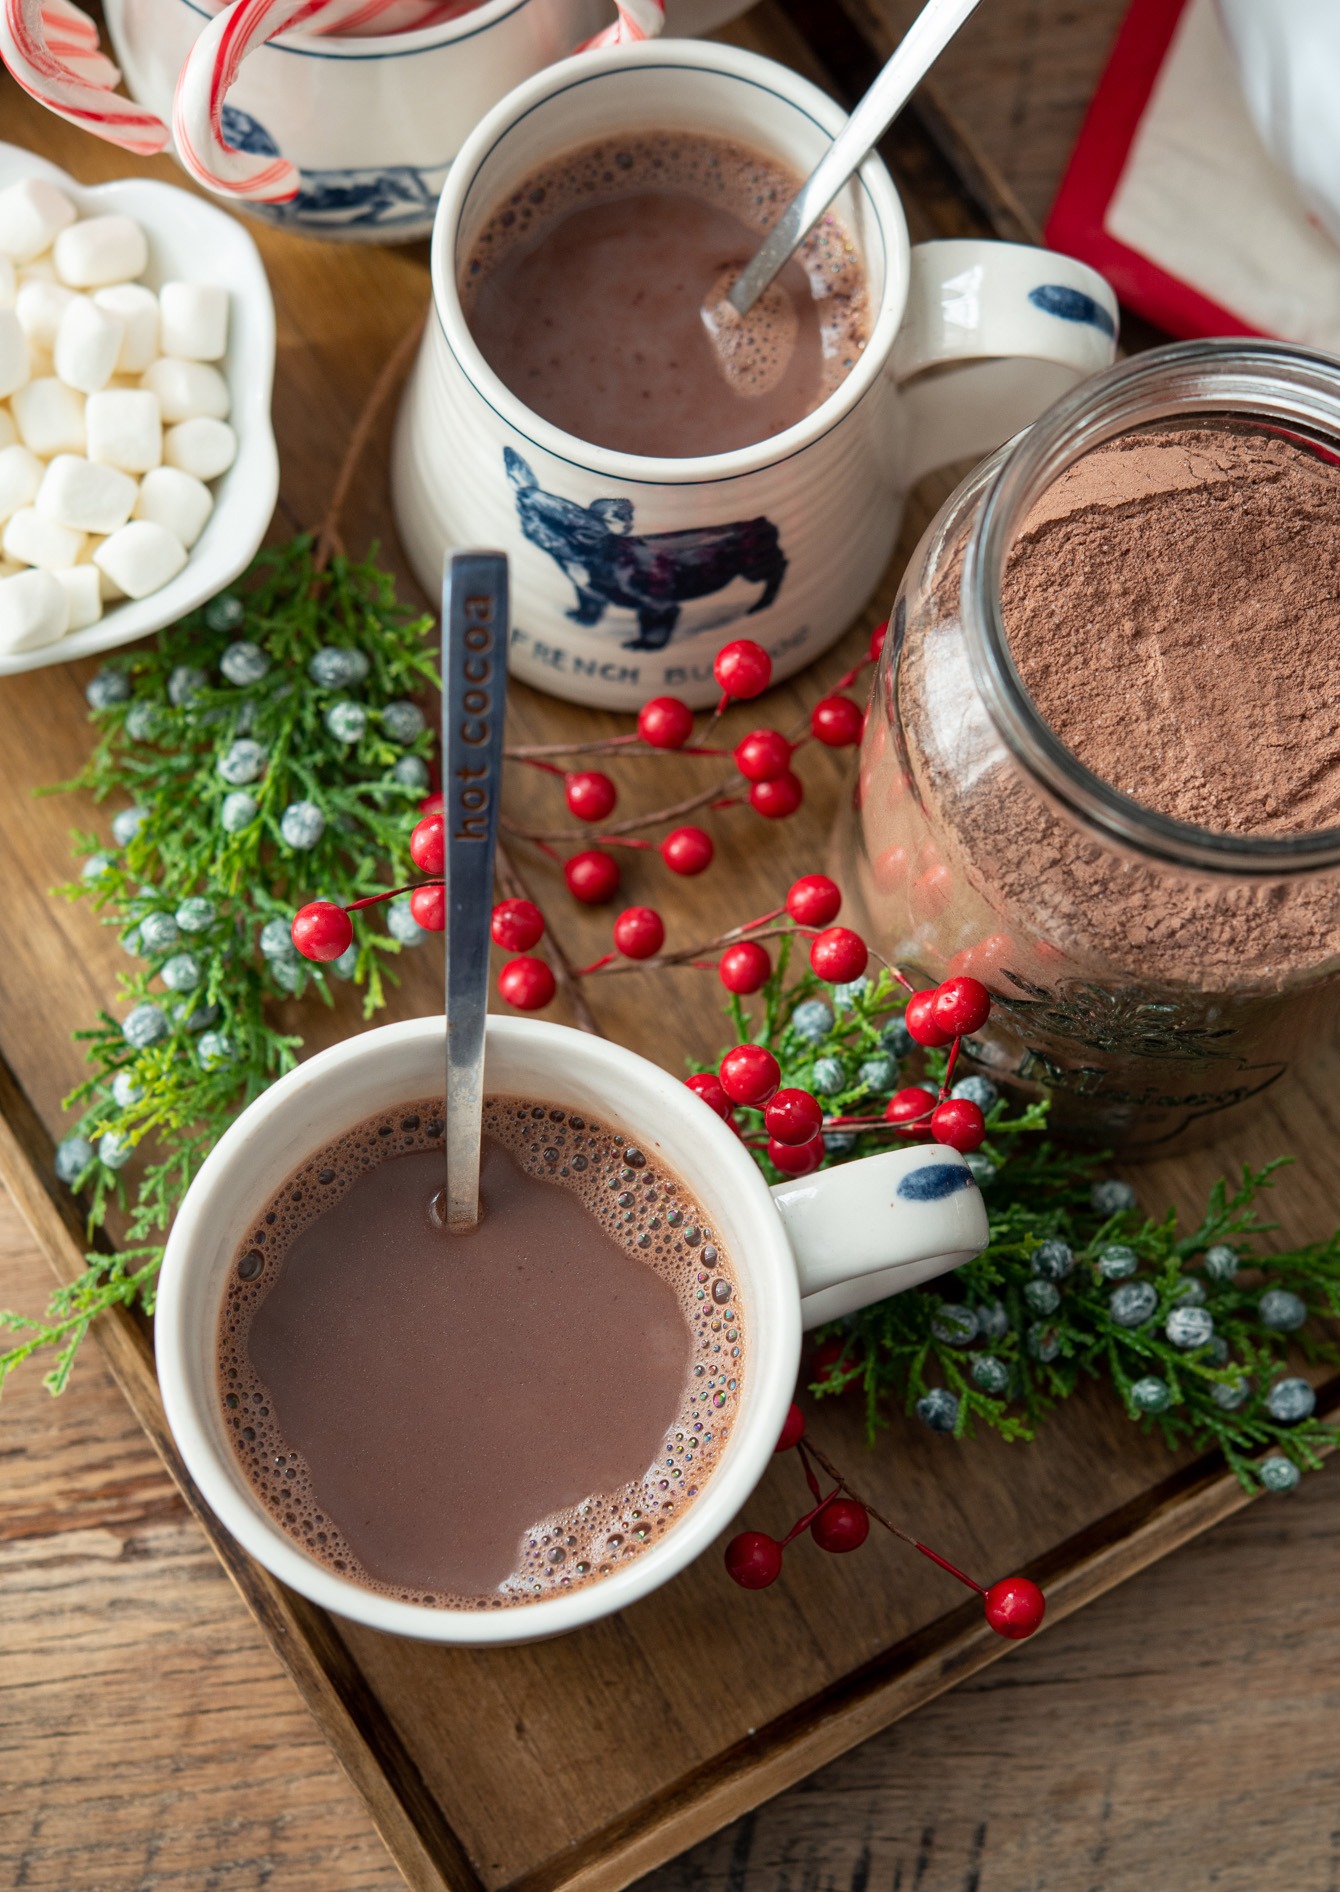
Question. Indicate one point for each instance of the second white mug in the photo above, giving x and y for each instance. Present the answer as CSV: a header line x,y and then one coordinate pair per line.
x,y
629,573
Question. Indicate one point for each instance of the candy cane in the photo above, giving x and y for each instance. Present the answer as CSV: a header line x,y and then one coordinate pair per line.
x,y
213,63
51,48
638,19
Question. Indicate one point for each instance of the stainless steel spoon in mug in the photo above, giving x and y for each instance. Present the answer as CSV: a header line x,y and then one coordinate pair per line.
x,y
475,624
926,38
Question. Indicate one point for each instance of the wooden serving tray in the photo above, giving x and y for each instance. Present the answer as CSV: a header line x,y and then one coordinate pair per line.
x,y
584,1762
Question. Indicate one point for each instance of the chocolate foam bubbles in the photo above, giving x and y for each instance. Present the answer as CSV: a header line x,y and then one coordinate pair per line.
x,y
641,237
640,1206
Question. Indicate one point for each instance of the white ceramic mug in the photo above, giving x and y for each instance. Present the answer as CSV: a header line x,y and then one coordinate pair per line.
x,y
785,540
372,124
807,1251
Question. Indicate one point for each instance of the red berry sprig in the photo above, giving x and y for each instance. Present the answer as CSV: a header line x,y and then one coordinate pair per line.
x,y
793,1127
839,1522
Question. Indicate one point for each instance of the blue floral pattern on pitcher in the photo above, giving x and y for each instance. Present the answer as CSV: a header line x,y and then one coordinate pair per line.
x,y
390,197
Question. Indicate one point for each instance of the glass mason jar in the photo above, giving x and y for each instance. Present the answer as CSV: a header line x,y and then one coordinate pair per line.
x,y
1152,978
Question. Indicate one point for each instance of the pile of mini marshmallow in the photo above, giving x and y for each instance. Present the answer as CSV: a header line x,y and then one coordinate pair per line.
x,y
112,417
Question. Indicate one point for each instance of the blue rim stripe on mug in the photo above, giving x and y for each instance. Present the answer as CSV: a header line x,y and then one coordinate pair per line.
x,y
640,478
283,44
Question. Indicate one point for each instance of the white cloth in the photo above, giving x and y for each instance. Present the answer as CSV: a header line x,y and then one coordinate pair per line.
x,y
1201,197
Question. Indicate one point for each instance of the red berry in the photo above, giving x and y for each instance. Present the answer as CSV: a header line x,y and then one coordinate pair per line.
x,y
750,1075
793,1116
754,1560
429,907
829,1357
639,932
842,1525
528,984
763,755
796,1159
912,1108
592,876
665,722
921,1022
959,1123
962,1006
687,850
433,804
321,930
590,794
877,637
793,1429
428,845
517,925
707,1085
743,668
837,722
778,797
1015,1607
745,967
838,955
813,900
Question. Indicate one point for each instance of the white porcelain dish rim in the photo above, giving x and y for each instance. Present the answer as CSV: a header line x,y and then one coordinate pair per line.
x,y
192,239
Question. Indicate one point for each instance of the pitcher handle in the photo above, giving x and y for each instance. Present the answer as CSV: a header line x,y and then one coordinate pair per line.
x,y
868,1229
1007,329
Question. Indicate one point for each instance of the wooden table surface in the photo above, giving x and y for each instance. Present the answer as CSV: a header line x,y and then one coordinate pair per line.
x,y
1174,1734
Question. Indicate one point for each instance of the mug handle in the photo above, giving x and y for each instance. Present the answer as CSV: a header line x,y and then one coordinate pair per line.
x,y
869,1229
993,333
213,63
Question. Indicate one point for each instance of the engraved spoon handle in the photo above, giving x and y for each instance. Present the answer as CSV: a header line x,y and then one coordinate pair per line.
x,y
474,701
904,70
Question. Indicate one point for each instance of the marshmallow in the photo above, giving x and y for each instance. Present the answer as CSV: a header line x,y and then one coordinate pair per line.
x,y
43,270
138,310
50,417
195,320
39,307
187,390
203,447
34,540
176,500
32,213
33,611
88,342
85,497
140,557
83,595
9,433
20,477
101,250
124,429
9,287
14,365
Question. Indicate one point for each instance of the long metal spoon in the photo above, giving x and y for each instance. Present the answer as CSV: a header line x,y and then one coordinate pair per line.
x,y
917,52
474,699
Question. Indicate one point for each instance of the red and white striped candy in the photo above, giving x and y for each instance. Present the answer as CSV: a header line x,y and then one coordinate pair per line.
x,y
51,48
638,19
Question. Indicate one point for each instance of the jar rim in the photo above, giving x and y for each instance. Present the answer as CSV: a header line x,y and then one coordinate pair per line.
x,y
1242,378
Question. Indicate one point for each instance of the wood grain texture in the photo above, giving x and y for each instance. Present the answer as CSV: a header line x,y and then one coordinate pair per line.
x,y
580,1763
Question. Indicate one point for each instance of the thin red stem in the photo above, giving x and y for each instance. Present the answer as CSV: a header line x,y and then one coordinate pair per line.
x,y
550,768
807,1447
583,972
949,1068
375,899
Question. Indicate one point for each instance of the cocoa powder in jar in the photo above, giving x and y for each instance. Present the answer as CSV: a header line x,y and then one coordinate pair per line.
x,y
1143,996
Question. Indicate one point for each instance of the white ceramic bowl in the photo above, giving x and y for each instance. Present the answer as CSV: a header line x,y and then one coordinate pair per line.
x,y
193,241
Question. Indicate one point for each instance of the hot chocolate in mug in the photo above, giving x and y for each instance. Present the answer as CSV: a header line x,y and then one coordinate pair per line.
x,y
804,1252
629,572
